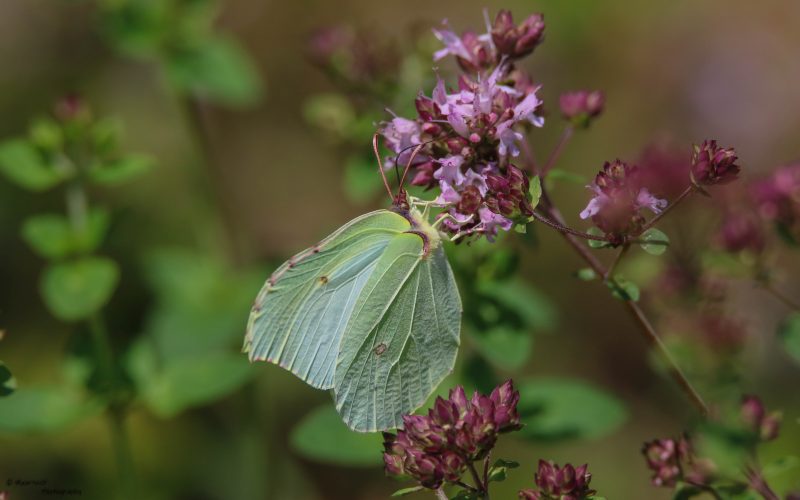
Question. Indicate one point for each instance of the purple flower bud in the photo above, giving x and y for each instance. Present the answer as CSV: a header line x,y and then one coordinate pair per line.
x,y
581,106
394,454
740,232
517,41
712,164
529,495
452,466
777,199
425,468
505,399
71,107
556,482
664,458
754,416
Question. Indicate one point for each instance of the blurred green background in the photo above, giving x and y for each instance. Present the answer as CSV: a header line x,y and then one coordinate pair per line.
x,y
240,184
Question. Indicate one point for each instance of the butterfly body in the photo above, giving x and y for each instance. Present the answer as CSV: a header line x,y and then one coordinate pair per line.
x,y
371,312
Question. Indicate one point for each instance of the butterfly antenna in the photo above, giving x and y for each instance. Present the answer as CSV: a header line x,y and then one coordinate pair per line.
x,y
409,163
380,166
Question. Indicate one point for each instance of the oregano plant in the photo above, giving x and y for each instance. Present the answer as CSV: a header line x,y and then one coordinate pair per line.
x,y
416,317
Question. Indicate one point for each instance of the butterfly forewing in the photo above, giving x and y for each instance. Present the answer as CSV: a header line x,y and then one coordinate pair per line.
x,y
301,313
402,338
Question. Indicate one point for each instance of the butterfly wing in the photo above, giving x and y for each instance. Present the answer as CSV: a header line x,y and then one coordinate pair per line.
x,y
402,339
300,314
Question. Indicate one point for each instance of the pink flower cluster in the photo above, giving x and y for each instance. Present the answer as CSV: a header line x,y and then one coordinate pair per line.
x,y
470,134
619,198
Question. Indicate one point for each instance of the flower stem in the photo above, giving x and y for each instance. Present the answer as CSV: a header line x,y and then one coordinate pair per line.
x,y
77,213
689,190
483,489
566,229
566,135
610,272
650,335
782,297
758,483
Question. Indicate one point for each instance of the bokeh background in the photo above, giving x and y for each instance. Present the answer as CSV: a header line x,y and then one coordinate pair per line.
x,y
236,189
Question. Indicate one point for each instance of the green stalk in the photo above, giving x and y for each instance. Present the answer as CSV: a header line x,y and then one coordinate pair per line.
x,y
77,213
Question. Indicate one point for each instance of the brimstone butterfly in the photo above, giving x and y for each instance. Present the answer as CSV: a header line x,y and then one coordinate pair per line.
x,y
371,312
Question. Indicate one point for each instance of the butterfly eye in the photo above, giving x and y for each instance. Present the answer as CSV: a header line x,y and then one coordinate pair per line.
x,y
380,349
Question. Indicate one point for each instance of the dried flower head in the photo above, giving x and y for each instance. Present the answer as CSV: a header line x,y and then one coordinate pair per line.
x,y
712,164
666,459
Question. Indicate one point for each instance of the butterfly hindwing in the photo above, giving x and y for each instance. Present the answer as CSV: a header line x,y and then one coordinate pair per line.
x,y
402,338
302,310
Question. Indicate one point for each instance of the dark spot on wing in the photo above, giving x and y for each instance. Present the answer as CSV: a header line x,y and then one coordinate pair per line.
x,y
380,349
323,280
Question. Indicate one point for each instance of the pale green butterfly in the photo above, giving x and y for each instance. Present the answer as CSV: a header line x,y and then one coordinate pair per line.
x,y
371,312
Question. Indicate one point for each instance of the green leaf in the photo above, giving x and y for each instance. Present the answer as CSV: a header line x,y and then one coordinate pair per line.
x,y
52,236
169,386
362,181
596,243
623,289
505,347
586,274
77,289
8,384
465,495
121,170
49,235
779,466
44,409
789,333
499,470
24,165
535,190
558,408
407,491
217,69
532,307
684,491
655,241
322,436
46,134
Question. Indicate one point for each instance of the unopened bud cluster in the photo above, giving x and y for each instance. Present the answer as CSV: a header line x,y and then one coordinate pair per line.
x,y
436,448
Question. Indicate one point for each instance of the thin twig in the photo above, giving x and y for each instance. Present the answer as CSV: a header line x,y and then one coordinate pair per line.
x,y
633,308
783,298
566,135
566,229
440,494
758,483
614,264
689,190
475,477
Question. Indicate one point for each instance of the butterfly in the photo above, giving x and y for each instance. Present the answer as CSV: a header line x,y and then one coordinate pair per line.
x,y
372,312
